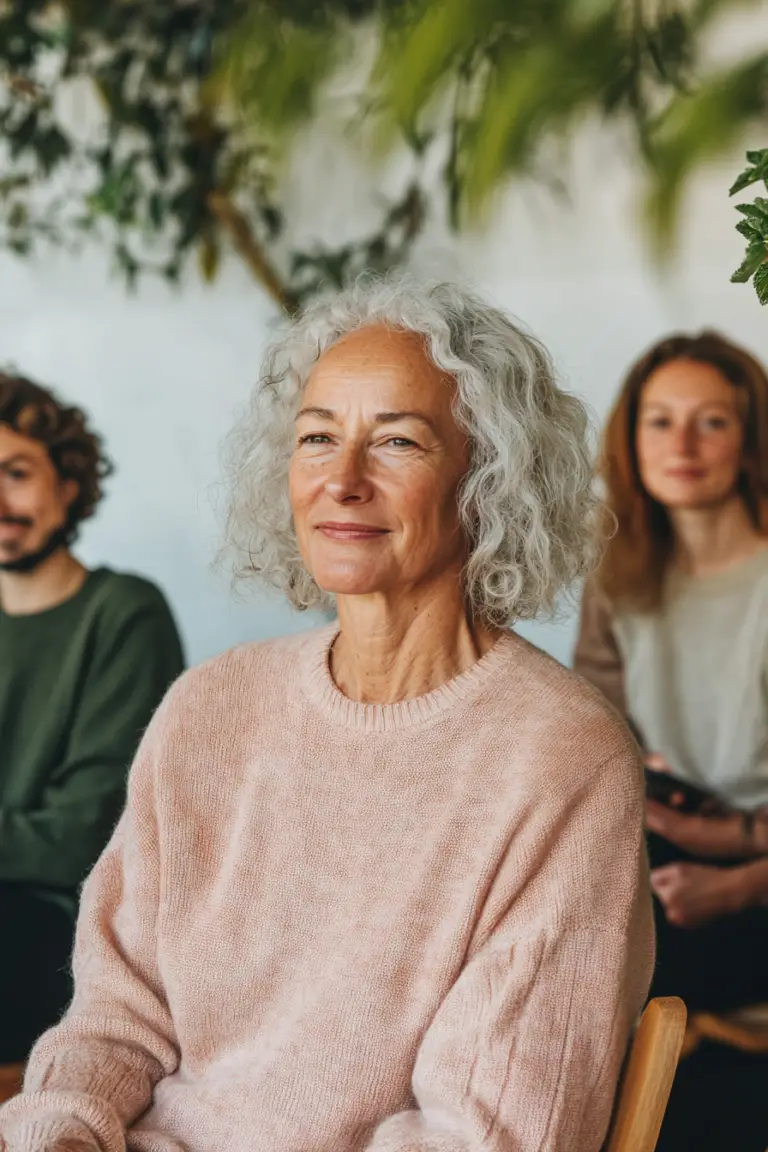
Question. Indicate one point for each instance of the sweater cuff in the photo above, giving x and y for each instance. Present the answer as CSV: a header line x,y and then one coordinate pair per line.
x,y
59,1122
417,1131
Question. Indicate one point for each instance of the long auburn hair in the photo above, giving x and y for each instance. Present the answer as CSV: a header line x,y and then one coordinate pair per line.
x,y
641,544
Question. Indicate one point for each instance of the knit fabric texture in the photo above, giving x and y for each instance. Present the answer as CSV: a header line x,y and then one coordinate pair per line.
x,y
326,926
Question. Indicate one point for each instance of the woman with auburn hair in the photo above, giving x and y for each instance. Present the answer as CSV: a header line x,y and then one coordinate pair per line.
x,y
674,631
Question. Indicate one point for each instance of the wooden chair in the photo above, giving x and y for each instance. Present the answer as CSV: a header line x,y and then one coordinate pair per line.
x,y
647,1079
746,1030
11,1076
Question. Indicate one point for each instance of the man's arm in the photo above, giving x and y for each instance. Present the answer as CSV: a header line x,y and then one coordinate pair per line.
x,y
93,1074
56,843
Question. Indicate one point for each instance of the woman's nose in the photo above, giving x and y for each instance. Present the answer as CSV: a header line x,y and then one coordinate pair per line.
x,y
348,481
685,440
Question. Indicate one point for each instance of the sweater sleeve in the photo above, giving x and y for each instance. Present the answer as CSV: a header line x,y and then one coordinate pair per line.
x,y
56,843
596,656
525,1050
92,1075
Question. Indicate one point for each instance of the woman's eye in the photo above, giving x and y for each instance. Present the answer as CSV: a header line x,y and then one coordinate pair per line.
x,y
716,422
17,475
315,438
400,442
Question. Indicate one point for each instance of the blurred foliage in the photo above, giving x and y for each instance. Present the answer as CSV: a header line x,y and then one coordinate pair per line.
x,y
164,173
502,79
199,98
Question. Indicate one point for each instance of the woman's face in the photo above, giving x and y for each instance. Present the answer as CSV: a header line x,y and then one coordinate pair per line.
x,y
377,467
689,436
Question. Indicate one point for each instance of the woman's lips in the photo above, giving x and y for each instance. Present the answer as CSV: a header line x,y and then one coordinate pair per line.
x,y
351,531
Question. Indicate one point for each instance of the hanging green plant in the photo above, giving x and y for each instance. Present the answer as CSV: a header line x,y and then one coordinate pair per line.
x,y
754,226
200,99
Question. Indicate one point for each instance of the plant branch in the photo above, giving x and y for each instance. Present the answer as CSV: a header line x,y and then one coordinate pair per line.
x,y
232,220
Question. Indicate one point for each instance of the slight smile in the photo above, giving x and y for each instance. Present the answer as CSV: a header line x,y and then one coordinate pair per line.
x,y
337,531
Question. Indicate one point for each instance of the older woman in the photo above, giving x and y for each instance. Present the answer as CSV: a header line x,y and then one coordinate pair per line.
x,y
381,886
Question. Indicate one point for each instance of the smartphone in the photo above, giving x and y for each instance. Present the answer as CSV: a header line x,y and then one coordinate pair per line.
x,y
661,786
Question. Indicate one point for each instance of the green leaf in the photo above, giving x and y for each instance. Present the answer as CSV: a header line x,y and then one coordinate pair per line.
x,y
759,171
23,135
20,245
420,57
756,212
147,117
272,69
761,283
13,183
127,264
698,127
272,219
757,253
53,147
18,217
156,210
741,182
208,256
160,161
748,231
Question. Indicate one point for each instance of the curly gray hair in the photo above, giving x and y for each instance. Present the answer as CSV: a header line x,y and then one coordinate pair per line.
x,y
527,504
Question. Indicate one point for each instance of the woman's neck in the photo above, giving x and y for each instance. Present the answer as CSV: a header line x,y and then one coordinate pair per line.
x,y
386,653
709,540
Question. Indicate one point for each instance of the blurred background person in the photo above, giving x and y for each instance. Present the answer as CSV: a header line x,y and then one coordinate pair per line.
x,y
674,631
85,658
381,885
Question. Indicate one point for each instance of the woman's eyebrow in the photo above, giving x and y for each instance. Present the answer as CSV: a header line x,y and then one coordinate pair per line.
x,y
392,417
380,417
321,413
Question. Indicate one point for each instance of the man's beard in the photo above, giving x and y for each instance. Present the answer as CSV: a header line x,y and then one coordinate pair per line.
x,y
29,561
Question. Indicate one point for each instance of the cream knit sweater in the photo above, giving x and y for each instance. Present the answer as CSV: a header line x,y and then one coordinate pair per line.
x,y
323,926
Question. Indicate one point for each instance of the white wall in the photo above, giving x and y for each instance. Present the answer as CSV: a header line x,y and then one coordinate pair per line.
x,y
161,372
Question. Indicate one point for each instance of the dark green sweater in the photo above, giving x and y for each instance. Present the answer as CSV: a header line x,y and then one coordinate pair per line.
x,y
78,686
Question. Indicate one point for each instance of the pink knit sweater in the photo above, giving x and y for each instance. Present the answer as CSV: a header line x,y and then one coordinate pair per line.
x,y
323,926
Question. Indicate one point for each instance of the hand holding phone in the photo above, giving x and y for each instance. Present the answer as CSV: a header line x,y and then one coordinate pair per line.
x,y
670,790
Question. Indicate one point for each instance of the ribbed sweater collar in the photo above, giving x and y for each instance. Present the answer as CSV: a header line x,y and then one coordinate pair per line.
x,y
319,687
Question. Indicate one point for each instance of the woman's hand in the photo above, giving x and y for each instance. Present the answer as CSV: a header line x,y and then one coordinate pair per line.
x,y
716,831
719,836
695,894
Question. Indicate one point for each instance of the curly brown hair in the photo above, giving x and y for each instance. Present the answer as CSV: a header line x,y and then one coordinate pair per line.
x,y
76,451
636,559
